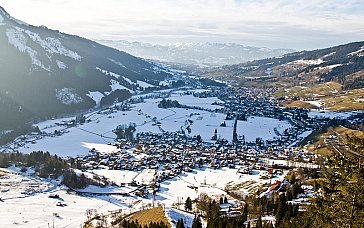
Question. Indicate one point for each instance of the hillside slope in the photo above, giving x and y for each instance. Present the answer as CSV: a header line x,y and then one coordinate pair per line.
x,y
343,64
44,72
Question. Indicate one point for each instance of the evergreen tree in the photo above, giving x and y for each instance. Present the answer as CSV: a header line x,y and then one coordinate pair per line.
x,y
281,209
180,224
188,204
225,200
341,200
244,214
259,223
289,194
125,131
196,222
199,138
221,201
213,210
296,189
292,179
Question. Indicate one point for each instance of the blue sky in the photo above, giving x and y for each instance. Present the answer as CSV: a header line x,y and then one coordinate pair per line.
x,y
297,24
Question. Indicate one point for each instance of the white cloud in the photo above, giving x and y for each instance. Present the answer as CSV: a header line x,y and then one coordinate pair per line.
x,y
288,23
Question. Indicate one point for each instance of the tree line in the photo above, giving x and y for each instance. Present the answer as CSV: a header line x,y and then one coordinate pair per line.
x,y
166,103
46,165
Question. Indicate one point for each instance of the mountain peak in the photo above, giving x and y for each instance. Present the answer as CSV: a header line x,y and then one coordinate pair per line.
x,y
3,13
6,16
206,54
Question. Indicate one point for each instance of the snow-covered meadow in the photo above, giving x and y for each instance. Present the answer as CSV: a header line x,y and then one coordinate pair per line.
x,y
22,206
211,182
25,202
97,132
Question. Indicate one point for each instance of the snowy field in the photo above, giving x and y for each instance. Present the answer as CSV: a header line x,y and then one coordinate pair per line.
x,y
174,215
192,101
35,209
14,186
25,198
41,211
145,176
25,202
211,182
97,133
332,115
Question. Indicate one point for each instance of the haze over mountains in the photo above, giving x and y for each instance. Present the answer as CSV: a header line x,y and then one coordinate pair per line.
x,y
201,54
45,72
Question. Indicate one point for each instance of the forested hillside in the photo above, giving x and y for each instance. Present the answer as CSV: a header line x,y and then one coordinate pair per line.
x,y
343,64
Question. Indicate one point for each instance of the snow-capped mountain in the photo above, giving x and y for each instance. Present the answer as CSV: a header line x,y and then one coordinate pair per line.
x,y
44,72
201,54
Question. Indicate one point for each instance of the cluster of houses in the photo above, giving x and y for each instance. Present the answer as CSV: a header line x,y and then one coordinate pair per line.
x,y
249,102
171,153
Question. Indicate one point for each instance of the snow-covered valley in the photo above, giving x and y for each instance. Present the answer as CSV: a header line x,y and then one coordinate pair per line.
x,y
97,132
25,198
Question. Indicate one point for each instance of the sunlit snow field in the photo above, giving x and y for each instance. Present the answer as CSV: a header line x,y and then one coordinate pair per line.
x,y
98,132
26,208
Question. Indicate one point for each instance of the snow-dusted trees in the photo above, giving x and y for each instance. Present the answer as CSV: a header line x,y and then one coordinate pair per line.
x,y
188,204
125,131
168,104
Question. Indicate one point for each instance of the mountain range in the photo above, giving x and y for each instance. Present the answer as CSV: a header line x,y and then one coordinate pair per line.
x,y
343,64
200,54
46,72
